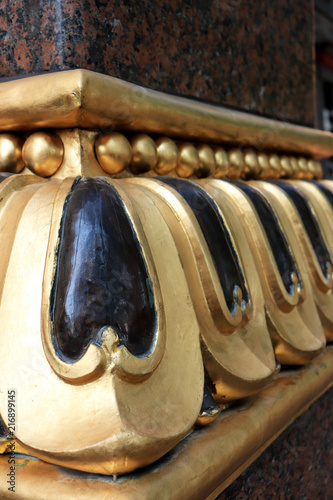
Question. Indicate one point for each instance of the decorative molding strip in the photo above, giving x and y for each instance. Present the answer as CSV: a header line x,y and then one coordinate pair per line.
x,y
204,463
81,152
89,100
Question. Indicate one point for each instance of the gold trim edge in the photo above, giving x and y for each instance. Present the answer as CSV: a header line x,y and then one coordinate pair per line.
x,y
205,462
84,99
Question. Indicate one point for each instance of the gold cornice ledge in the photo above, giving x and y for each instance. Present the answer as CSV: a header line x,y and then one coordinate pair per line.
x,y
84,99
204,463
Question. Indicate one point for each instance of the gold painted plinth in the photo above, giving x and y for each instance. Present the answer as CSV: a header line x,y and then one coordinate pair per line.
x,y
199,467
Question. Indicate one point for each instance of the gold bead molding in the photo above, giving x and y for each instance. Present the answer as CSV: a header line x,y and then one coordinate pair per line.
x,y
42,153
114,154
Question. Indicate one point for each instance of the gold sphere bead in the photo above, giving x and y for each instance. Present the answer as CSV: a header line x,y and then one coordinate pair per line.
x,y
237,164
113,152
188,160
286,168
252,167
264,167
302,170
167,155
275,166
11,153
294,166
222,163
207,162
43,153
144,154
315,169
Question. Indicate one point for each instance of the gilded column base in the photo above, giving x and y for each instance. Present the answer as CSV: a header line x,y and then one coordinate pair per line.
x,y
159,261
203,464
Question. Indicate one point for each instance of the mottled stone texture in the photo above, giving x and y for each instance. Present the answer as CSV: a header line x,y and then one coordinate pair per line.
x,y
298,465
249,54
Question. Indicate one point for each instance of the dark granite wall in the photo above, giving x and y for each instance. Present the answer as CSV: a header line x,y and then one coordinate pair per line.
x,y
249,54
297,466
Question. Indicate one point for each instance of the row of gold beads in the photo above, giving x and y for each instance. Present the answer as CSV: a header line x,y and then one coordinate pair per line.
x,y
43,153
141,154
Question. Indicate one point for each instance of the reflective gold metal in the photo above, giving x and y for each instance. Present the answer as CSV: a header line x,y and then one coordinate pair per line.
x,y
222,163
315,169
188,160
204,463
84,99
107,379
286,167
275,166
236,163
302,172
43,153
113,152
144,154
111,411
207,163
237,351
252,166
323,295
293,344
264,171
167,156
11,153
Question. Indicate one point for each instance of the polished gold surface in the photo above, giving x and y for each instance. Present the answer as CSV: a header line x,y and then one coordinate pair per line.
x,y
286,167
237,350
264,166
107,378
11,153
144,154
188,160
207,162
84,99
167,156
204,463
293,322
113,152
87,152
222,163
252,166
274,166
42,153
315,169
237,164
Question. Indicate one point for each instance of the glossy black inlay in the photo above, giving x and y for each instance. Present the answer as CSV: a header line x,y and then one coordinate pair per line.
x,y
209,405
4,175
101,279
279,245
327,192
305,211
216,235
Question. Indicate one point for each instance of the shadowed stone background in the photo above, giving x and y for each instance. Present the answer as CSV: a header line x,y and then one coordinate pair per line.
x,y
298,465
248,54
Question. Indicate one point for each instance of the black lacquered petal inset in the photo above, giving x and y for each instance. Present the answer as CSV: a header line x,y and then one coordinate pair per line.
x,y
101,278
312,228
277,240
216,235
